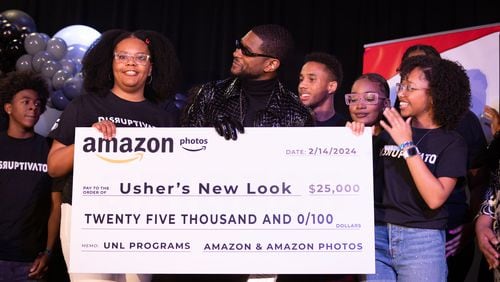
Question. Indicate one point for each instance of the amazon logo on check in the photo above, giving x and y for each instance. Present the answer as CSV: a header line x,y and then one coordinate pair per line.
x,y
136,146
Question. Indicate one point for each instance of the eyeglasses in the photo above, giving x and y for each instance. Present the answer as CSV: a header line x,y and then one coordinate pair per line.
x,y
139,58
369,98
407,87
248,53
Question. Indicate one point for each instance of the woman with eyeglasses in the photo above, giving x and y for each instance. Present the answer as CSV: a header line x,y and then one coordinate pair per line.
x,y
460,227
422,159
129,80
368,98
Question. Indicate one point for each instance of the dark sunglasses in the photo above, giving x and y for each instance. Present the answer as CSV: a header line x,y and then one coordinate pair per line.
x,y
248,53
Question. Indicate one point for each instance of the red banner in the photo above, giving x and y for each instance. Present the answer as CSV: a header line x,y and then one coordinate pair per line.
x,y
476,49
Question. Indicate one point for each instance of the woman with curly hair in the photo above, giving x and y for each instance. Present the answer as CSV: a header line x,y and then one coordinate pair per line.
x,y
129,80
422,161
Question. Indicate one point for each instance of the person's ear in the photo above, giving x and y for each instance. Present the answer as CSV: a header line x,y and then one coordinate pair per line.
x,y
387,103
332,87
272,65
7,108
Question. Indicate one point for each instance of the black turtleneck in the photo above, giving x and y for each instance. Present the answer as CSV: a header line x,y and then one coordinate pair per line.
x,y
257,94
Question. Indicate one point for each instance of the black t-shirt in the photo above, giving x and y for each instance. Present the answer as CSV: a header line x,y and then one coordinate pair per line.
x,y
444,153
88,109
337,120
378,176
4,122
25,189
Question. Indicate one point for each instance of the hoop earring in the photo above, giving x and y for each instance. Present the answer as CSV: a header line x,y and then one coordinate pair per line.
x,y
150,79
109,77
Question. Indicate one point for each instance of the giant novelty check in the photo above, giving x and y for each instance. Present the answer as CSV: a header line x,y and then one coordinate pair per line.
x,y
184,200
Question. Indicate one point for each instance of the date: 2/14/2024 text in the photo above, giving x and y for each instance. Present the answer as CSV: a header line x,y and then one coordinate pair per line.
x,y
321,151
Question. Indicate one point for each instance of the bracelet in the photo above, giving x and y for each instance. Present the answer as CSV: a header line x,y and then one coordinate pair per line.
x,y
45,252
405,145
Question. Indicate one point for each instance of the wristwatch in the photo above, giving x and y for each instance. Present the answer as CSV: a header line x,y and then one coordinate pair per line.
x,y
410,152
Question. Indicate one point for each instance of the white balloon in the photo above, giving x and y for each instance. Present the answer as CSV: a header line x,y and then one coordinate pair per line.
x,y
78,34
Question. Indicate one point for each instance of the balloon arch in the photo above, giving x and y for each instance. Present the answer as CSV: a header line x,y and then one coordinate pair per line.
x,y
57,58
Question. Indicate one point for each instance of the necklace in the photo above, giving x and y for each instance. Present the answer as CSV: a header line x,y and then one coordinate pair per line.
x,y
423,136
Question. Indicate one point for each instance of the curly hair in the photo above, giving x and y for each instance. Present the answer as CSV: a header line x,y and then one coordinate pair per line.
x,y
277,41
14,82
449,87
331,62
98,64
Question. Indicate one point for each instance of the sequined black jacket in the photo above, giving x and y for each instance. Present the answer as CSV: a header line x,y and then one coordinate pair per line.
x,y
223,98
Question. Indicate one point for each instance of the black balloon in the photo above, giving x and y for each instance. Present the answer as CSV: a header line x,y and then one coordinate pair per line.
x,y
24,32
12,47
8,32
20,19
15,48
58,100
3,21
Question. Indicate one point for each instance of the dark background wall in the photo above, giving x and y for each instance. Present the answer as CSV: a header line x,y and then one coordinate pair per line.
x,y
204,31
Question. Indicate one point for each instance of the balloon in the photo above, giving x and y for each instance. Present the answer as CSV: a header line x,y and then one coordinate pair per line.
x,y
73,86
34,43
78,34
58,100
76,52
68,65
24,63
20,19
8,32
15,49
24,30
10,53
56,47
45,37
79,66
40,58
47,119
49,68
49,82
59,78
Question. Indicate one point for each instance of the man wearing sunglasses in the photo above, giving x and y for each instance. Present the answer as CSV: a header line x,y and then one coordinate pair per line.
x,y
253,96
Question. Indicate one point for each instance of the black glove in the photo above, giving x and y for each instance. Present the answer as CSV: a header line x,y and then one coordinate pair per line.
x,y
227,127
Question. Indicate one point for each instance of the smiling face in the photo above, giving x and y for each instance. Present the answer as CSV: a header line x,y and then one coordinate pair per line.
x,y
129,72
316,86
24,111
414,99
369,114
